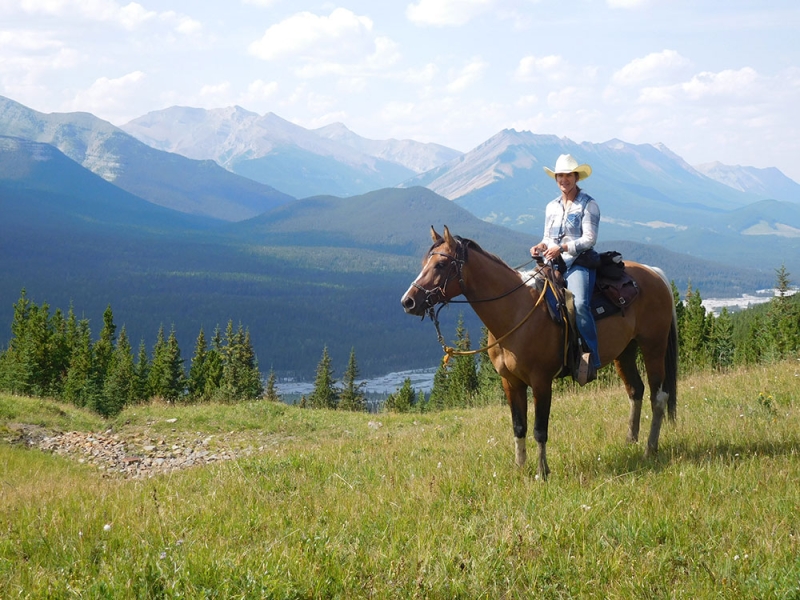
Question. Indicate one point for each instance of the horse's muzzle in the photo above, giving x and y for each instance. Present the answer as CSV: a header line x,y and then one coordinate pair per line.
x,y
412,305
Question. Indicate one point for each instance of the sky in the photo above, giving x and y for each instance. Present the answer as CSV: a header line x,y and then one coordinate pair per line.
x,y
713,80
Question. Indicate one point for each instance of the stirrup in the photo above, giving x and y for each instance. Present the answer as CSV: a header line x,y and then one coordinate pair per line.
x,y
586,369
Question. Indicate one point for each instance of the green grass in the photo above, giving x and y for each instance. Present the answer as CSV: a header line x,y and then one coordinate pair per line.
x,y
332,505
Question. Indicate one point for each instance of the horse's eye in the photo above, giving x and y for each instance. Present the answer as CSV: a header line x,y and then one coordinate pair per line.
x,y
440,265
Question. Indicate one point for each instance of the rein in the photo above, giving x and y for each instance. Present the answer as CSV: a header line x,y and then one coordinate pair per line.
x,y
438,296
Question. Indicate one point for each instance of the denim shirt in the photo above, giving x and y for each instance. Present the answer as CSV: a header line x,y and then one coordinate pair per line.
x,y
577,228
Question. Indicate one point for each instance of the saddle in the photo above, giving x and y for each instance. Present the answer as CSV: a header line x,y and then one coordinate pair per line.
x,y
614,291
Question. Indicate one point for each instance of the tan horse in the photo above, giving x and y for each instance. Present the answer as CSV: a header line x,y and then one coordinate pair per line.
x,y
530,350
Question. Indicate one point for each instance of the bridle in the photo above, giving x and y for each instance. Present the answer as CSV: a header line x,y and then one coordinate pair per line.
x,y
438,296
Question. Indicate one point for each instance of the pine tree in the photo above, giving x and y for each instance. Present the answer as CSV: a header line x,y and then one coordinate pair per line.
x,y
721,340
176,383
118,389
157,374
104,348
214,366
490,384
440,389
352,394
271,392
780,332
422,403
463,376
324,394
79,387
18,368
166,378
141,376
253,385
402,400
241,379
694,328
198,370
58,352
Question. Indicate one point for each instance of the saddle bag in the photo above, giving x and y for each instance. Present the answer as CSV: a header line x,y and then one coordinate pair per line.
x,y
620,291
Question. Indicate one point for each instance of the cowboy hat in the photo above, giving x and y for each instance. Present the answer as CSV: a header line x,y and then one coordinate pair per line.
x,y
566,163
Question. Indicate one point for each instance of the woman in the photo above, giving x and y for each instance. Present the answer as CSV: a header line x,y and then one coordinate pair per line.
x,y
570,228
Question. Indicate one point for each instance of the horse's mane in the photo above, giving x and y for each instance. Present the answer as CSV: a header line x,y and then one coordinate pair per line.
x,y
473,245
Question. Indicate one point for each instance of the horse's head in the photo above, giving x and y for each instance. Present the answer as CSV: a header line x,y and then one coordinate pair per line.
x,y
440,279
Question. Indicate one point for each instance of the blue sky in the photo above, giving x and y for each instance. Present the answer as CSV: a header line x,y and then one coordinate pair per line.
x,y
713,80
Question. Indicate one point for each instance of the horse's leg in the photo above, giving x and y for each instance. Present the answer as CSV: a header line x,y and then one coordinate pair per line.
x,y
654,365
542,394
629,373
517,396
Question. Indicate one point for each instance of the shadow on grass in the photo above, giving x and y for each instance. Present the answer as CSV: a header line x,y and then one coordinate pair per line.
x,y
620,460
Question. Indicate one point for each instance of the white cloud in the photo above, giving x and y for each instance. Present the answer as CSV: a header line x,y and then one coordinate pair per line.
x,y
443,13
652,66
259,90
724,83
532,68
106,97
421,76
130,16
467,75
309,36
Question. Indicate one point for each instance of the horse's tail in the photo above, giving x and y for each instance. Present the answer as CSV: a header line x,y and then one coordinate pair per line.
x,y
671,369
670,384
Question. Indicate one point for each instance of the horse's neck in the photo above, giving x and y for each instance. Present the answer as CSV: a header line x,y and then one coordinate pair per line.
x,y
492,281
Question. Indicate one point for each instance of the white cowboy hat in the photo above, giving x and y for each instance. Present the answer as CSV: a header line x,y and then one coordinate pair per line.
x,y
566,163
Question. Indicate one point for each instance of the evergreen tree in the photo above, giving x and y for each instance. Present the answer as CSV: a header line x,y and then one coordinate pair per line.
x,y
18,361
694,328
198,371
779,335
352,394
241,379
141,376
157,373
721,340
253,385
118,388
271,392
214,366
490,384
79,387
59,351
166,378
104,348
440,389
402,400
463,375
422,403
679,310
324,394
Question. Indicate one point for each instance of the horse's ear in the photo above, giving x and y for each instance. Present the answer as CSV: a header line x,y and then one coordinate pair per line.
x,y
435,236
448,239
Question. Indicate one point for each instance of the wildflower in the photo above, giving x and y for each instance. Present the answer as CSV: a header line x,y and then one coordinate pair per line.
x,y
107,527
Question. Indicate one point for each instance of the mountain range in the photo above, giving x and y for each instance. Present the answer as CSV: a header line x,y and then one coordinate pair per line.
x,y
269,149
91,215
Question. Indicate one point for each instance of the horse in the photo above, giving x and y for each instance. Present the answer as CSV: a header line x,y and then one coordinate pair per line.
x,y
526,345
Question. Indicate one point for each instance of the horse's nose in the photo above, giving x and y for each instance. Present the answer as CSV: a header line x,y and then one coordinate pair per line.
x,y
408,303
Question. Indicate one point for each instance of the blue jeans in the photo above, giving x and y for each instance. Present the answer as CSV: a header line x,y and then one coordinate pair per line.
x,y
580,282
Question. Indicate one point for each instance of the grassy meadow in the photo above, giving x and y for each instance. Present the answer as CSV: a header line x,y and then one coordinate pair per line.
x,y
326,504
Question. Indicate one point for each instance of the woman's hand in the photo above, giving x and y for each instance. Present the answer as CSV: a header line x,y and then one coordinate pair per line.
x,y
538,249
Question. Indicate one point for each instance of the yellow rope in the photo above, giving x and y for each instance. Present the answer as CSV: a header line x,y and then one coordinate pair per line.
x,y
450,352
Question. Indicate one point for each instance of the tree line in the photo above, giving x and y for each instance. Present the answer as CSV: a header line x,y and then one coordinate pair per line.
x,y
53,355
